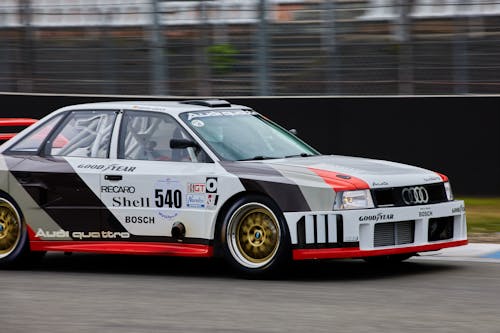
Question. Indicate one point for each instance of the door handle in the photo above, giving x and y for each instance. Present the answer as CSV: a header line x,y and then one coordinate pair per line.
x,y
113,177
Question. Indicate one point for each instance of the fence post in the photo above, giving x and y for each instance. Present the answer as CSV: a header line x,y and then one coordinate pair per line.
x,y
403,36
460,56
262,61
158,53
25,83
329,39
203,86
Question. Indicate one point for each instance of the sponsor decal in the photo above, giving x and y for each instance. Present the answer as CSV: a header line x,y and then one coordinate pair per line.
x,y
343,176
425,213
212,199
203,114
197,123
117,189
168,215
140,219
148,108
376,218
211,185
196,200
457,210
128,202
196,188
81,234
380,183
432,179
110,167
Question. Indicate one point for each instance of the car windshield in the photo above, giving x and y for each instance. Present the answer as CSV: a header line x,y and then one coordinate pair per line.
x,y
238,135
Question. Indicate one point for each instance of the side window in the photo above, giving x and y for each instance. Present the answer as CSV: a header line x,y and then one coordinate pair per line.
x,y
32,142
147,135
83,134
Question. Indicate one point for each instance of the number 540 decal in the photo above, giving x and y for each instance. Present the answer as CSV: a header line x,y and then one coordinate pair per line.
x,y
168,198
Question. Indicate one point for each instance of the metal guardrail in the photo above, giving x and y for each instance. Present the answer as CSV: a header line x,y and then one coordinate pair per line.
x,y
252,47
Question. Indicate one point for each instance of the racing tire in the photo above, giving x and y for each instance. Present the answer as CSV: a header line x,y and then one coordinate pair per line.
x,y
255,238
14,242
388,260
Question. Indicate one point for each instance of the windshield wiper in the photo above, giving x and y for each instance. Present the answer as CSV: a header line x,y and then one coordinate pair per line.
x,y
300,155
258,158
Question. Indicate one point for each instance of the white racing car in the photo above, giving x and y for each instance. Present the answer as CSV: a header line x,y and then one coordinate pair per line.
x,y
206,178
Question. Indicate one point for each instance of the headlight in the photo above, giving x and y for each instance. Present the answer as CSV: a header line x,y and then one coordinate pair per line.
x,y
353,200
449,192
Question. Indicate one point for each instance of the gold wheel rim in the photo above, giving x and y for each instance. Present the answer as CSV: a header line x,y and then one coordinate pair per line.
x,y
256,235
10,228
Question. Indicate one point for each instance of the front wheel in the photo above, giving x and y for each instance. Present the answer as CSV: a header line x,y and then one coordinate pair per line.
x,y
255,237
14,243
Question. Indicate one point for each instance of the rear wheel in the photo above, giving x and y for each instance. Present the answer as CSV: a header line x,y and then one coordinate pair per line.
x,y
255,237
14,243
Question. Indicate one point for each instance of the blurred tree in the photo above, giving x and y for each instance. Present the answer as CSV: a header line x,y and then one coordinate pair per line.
x,y
222,57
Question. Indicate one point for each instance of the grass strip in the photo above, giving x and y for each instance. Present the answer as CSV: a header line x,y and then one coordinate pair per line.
x,y
483,214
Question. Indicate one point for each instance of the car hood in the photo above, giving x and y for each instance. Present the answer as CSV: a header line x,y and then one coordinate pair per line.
x,y
356,171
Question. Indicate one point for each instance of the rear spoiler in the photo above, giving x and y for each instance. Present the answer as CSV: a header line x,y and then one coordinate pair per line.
x,y
13,124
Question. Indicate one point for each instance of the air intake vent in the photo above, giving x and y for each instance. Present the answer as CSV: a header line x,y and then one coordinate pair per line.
x,y
211,103
394,233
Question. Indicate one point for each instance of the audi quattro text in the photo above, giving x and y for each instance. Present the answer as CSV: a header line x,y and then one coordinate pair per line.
x,y
204,178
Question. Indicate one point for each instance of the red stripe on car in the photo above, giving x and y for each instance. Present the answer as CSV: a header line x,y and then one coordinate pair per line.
x,y
356,252
164,249
340,181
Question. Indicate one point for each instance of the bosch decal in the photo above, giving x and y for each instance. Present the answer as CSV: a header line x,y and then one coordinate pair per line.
x,y
140,219
425,212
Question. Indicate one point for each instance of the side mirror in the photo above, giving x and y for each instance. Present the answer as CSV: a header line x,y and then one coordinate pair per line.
x,y
182,143
293,131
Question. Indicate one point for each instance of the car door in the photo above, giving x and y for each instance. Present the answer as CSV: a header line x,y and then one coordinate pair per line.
x,y
151,186
63,176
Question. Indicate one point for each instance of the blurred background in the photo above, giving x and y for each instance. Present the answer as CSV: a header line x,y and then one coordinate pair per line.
x,y
250,47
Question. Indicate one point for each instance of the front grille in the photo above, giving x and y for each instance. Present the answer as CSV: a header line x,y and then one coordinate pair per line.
x,y
393,196
394,233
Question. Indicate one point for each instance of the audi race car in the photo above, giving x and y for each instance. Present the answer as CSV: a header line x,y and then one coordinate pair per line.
x,y
204,178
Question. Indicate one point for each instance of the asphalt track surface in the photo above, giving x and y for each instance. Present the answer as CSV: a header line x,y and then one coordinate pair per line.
x,y
104,293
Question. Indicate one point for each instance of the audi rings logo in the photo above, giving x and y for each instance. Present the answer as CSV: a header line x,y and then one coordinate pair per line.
x,y
415,195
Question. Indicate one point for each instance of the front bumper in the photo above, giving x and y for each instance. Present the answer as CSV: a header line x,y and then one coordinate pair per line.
x,y
377,232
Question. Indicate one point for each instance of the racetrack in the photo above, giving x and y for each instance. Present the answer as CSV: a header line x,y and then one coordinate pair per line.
x,y
92,293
